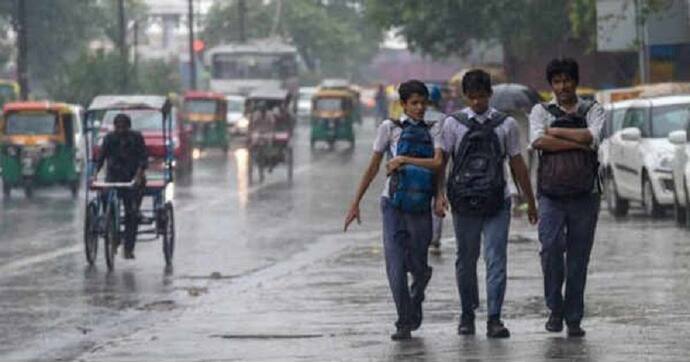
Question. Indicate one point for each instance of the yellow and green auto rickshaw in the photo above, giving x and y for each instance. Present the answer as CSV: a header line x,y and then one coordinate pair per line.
x,y
355,92
332,116
9,91
41,145
206,113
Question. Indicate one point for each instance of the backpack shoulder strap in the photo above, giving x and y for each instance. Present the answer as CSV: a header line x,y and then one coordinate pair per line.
x,y
553,110
585,107
396,122
497,119
462,118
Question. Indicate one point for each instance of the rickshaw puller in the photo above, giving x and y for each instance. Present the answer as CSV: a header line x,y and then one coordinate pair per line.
x,y
125,151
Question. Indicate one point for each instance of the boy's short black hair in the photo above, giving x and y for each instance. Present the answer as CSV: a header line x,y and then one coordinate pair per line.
x,y
476,80
413,86
567,66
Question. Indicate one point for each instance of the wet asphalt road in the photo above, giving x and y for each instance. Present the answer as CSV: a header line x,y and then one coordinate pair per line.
x,y
262,272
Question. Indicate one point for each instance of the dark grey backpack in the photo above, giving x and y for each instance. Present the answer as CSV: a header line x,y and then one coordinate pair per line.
x,y
476,184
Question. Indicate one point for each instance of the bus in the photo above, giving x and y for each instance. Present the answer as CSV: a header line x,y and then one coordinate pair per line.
x,y
240,68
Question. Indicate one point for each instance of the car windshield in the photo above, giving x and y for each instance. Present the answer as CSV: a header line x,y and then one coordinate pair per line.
x,y
33,123
200,106
329,104
235,105
667,119
142,119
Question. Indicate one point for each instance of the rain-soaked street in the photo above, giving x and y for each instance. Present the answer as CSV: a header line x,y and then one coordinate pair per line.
x,y
264,272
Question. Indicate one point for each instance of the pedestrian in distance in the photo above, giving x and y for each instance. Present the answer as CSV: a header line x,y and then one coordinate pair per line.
x,y
478,140
565,132
434,114
413,150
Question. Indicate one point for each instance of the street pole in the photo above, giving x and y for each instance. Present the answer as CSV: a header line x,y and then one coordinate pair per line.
x,y
192,58
642,40
242,13
22,49
122,32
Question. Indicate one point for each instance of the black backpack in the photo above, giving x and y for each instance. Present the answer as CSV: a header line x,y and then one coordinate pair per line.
x,y
476,185
572,173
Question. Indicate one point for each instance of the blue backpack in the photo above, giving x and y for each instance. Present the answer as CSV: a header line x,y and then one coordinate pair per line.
x,y
412,187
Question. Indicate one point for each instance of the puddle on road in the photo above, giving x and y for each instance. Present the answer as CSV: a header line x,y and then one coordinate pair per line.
x,y
267,336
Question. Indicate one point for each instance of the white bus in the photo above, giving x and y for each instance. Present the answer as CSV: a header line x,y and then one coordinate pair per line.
x,y
240,68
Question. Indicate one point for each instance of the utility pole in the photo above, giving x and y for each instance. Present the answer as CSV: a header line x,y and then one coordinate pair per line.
x,y
192,56
642,42
22,51
122,38
242,13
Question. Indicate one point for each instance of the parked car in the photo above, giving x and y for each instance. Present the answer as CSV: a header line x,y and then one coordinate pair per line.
x,y
681,175
304,102
640,154
613,123
237,122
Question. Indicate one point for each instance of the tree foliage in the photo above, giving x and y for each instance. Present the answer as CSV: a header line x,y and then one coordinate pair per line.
x,y
445,28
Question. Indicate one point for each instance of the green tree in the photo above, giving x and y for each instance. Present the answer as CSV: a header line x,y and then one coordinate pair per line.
x,y
446,27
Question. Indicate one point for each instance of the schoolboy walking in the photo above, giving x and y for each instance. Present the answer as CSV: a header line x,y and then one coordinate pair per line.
x,y
565,132
478,140
413,150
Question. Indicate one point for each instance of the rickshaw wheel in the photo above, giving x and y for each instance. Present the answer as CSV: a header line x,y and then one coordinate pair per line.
x,y
289,160
111,239
6,189
91,233
169,233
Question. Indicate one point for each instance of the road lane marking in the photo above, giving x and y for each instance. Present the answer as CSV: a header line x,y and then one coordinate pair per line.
x,y
13,267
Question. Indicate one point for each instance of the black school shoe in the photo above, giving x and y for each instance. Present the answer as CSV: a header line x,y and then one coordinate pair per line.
x,y
574,330
401,334
555,323
417,314
466,326
496,329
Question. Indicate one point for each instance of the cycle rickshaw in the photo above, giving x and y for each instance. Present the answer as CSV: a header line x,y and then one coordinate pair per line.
x,y
270,144
104,214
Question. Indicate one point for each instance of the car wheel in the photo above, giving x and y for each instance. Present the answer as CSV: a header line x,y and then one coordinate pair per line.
x,y
617,206
649,201
687,203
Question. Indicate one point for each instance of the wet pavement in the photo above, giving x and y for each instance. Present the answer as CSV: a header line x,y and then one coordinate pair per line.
x,y
262,272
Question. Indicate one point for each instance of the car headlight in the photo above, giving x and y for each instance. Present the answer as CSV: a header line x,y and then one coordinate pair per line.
x,y
243,123
666,162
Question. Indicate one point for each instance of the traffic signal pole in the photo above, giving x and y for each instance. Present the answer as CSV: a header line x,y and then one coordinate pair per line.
x,y
192,56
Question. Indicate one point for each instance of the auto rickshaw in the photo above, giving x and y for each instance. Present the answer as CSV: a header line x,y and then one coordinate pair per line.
x,y
206,112
41,146
332,117
9,91
269,144
355,92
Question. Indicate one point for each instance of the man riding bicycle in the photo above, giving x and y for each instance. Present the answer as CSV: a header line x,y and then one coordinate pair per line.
x,y
125,152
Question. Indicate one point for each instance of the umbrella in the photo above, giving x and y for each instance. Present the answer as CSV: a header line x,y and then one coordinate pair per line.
x,y
513,97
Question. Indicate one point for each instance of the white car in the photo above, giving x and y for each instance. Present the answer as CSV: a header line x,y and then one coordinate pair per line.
x,y
237,121
681,175
304,102
640,155
613,123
